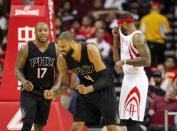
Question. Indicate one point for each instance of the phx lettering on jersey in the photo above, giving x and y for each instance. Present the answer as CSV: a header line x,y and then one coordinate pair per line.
x,y
84,70
42,61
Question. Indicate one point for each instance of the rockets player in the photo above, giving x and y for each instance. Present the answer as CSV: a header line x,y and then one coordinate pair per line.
x,y
131,53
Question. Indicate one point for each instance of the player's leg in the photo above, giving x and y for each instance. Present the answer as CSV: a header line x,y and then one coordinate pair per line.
x,y
28,108
38,127
109,110
80,115
78,126
42,114
112,128
85,113
131,125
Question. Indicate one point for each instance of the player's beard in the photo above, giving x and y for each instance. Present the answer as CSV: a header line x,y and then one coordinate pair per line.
x,y
124,31
70,52
43,40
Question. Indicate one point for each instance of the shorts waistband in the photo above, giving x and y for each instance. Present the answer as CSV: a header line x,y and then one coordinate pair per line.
x,y
135,74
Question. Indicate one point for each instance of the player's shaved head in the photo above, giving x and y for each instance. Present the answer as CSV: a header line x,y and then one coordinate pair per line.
x,y
66,36
39,24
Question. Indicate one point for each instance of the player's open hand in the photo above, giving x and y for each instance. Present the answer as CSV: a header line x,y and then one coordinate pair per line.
x,y
49,94
115,31
27,85
118,66
84,90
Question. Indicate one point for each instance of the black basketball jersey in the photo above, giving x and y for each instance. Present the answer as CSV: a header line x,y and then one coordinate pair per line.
x,y
40,67
84,69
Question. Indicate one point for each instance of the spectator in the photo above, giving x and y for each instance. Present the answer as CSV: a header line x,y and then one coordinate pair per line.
x,y
114,4
167,102
97,5
155,89
170,72
155,25
101,24
101,42
76,30
161,68
87,28
97,10
67,14
58,26
83,6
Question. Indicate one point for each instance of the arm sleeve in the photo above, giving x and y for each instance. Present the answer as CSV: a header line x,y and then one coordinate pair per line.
x,y
105,80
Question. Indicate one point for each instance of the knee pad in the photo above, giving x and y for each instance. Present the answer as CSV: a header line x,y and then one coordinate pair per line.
x,y
27,124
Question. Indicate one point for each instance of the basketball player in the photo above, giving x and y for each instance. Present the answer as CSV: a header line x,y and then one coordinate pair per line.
x,y
130,52
96,91
35,67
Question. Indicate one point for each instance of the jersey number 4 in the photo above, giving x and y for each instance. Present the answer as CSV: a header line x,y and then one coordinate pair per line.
x,y
89,78
41,72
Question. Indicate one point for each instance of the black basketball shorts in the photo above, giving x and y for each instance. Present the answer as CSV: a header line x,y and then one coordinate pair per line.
x,y
34,107
100,104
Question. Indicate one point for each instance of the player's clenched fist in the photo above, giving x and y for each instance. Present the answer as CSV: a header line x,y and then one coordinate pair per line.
x,y
118,66
48,94
27,85
84,90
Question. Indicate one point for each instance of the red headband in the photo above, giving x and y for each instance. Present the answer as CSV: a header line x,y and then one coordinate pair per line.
x,y
128,20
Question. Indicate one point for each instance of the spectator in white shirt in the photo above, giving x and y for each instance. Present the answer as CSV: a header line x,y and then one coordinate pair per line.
x,y
102,44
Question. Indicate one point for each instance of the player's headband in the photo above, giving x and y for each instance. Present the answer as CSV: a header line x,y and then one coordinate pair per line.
x,y
128,20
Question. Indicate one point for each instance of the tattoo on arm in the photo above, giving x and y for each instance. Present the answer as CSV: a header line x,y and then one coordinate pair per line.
x,y
144,58
64,80
57,76
20,63
62,88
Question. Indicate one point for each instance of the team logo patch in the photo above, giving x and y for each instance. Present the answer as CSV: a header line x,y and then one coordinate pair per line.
x,y
132,103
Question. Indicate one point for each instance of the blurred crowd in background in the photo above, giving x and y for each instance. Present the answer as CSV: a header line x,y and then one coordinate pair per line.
x,y
93,20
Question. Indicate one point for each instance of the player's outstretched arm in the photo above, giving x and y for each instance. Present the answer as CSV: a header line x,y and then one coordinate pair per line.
x,y
144,58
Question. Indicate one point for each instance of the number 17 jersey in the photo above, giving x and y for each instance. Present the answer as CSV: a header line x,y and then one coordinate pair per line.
x,y
40,66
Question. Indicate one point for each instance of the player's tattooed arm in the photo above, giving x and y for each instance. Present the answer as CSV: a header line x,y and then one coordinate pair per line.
x,y
144,58
20,62
64,79
57,76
